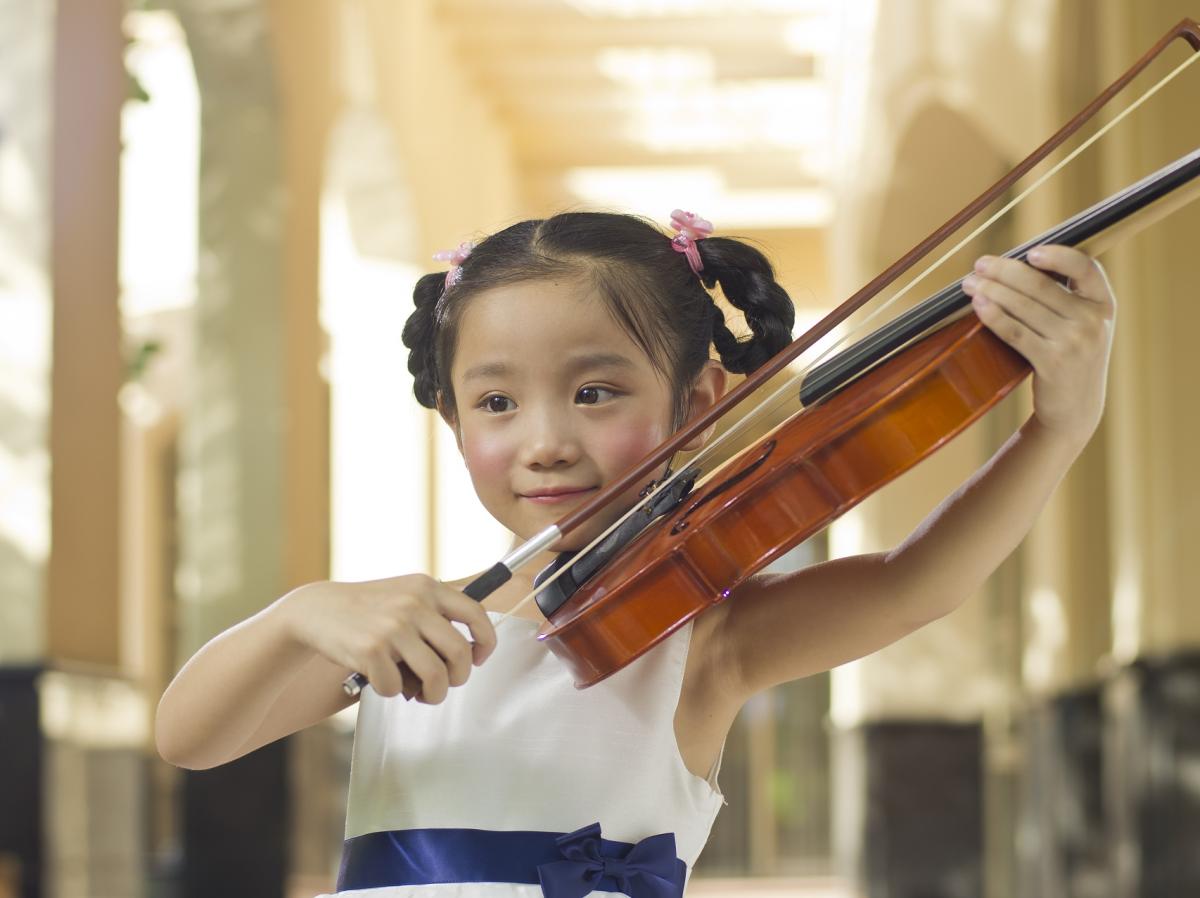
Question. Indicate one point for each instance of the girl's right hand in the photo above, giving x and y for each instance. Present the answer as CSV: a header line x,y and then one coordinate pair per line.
x,y
376,626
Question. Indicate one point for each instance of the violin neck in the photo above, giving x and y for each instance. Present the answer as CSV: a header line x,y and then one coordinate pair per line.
x,y
1093,230
1138,221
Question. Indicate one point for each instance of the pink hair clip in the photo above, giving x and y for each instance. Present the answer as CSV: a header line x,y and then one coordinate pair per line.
x,y
691,228
455,257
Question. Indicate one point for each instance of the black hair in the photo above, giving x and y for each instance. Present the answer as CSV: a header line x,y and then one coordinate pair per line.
x,y
648,287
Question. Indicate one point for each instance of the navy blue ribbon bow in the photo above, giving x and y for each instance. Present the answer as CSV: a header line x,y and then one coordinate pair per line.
x,y
567,865
649,870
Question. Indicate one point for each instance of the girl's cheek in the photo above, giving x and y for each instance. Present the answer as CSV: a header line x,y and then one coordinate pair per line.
x,y
487,457
626,445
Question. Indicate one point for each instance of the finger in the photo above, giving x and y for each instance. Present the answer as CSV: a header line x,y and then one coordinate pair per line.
x,y
1043,288
1108,305
426,664
1009,329
383,674
1039,318
462,608
453,647
412,684
1085,276
1028,280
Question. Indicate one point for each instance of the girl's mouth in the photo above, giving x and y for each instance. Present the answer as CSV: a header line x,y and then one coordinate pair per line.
x,y
557,495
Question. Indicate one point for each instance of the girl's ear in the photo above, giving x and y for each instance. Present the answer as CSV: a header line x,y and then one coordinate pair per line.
x,y
448,415
707,388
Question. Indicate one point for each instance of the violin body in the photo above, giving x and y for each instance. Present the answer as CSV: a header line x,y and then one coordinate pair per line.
x,y
793,482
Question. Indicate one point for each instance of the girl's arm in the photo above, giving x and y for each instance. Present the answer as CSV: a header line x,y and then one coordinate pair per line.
x,y
281,670
224,692
784,627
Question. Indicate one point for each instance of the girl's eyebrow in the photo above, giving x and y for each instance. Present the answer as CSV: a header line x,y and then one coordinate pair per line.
x,y
588,360
577,363
492,369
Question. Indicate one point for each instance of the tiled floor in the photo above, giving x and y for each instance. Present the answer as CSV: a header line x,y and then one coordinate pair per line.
x,y
697,888
769,888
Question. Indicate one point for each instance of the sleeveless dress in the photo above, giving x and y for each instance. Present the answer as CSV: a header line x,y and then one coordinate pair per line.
x,y
469,798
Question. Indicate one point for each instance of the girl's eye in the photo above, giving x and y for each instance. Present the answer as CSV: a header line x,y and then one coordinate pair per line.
x,y
593,395
497,404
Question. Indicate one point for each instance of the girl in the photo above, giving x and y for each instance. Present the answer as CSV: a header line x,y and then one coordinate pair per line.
x,y
560,352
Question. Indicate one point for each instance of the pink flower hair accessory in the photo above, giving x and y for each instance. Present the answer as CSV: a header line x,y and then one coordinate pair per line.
x,y
691,228
455,257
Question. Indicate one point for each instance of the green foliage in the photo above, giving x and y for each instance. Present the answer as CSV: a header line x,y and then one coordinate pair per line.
x,y
139,359
134,89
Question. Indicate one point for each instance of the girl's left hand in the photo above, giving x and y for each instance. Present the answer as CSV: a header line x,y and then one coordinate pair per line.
x,y
1066,335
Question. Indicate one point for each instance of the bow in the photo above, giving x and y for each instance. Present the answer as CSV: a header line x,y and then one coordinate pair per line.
x,y
691,227
649,870
455,257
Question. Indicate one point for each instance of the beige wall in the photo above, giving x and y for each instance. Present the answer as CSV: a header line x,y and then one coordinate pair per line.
x,y
1153,417
941,126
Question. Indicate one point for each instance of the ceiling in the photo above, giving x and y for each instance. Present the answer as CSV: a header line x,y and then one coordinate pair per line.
x,y
614,102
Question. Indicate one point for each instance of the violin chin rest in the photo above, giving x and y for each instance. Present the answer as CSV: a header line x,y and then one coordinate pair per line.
x,y
556,594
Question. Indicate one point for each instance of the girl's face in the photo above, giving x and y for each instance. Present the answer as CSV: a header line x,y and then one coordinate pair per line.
x,y
553,401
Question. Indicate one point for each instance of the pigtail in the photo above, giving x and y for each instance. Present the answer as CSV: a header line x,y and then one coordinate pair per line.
x,y
419,336
748,282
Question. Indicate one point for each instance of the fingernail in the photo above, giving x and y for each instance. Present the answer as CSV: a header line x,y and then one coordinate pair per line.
x,y
970,282
979,300
1036,255
983,263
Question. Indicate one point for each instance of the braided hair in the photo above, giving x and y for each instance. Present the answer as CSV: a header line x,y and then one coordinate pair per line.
x,y
648,287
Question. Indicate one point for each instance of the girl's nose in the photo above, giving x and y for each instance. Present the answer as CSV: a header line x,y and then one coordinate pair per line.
x,y
550,442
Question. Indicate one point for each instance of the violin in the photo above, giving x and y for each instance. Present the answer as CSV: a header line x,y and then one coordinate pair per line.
x,y
869,414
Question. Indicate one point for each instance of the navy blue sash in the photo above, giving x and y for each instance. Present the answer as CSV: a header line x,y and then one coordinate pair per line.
x,y
567,865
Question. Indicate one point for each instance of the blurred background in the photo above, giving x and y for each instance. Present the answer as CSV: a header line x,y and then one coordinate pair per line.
x,y
212,213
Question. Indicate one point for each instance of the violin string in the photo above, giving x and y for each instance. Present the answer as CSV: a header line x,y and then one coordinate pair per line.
x,y
1051,172
861,326
776,399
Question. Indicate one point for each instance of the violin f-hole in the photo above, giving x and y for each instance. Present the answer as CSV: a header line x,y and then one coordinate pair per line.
x,y
682,523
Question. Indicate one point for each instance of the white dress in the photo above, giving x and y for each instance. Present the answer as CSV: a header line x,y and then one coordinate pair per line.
x,y
519,748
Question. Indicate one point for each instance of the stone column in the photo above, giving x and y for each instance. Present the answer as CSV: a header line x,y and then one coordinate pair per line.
x,y
253,471
60,64
1153,700
304,44
26,116
1057,836
909,763
231,494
